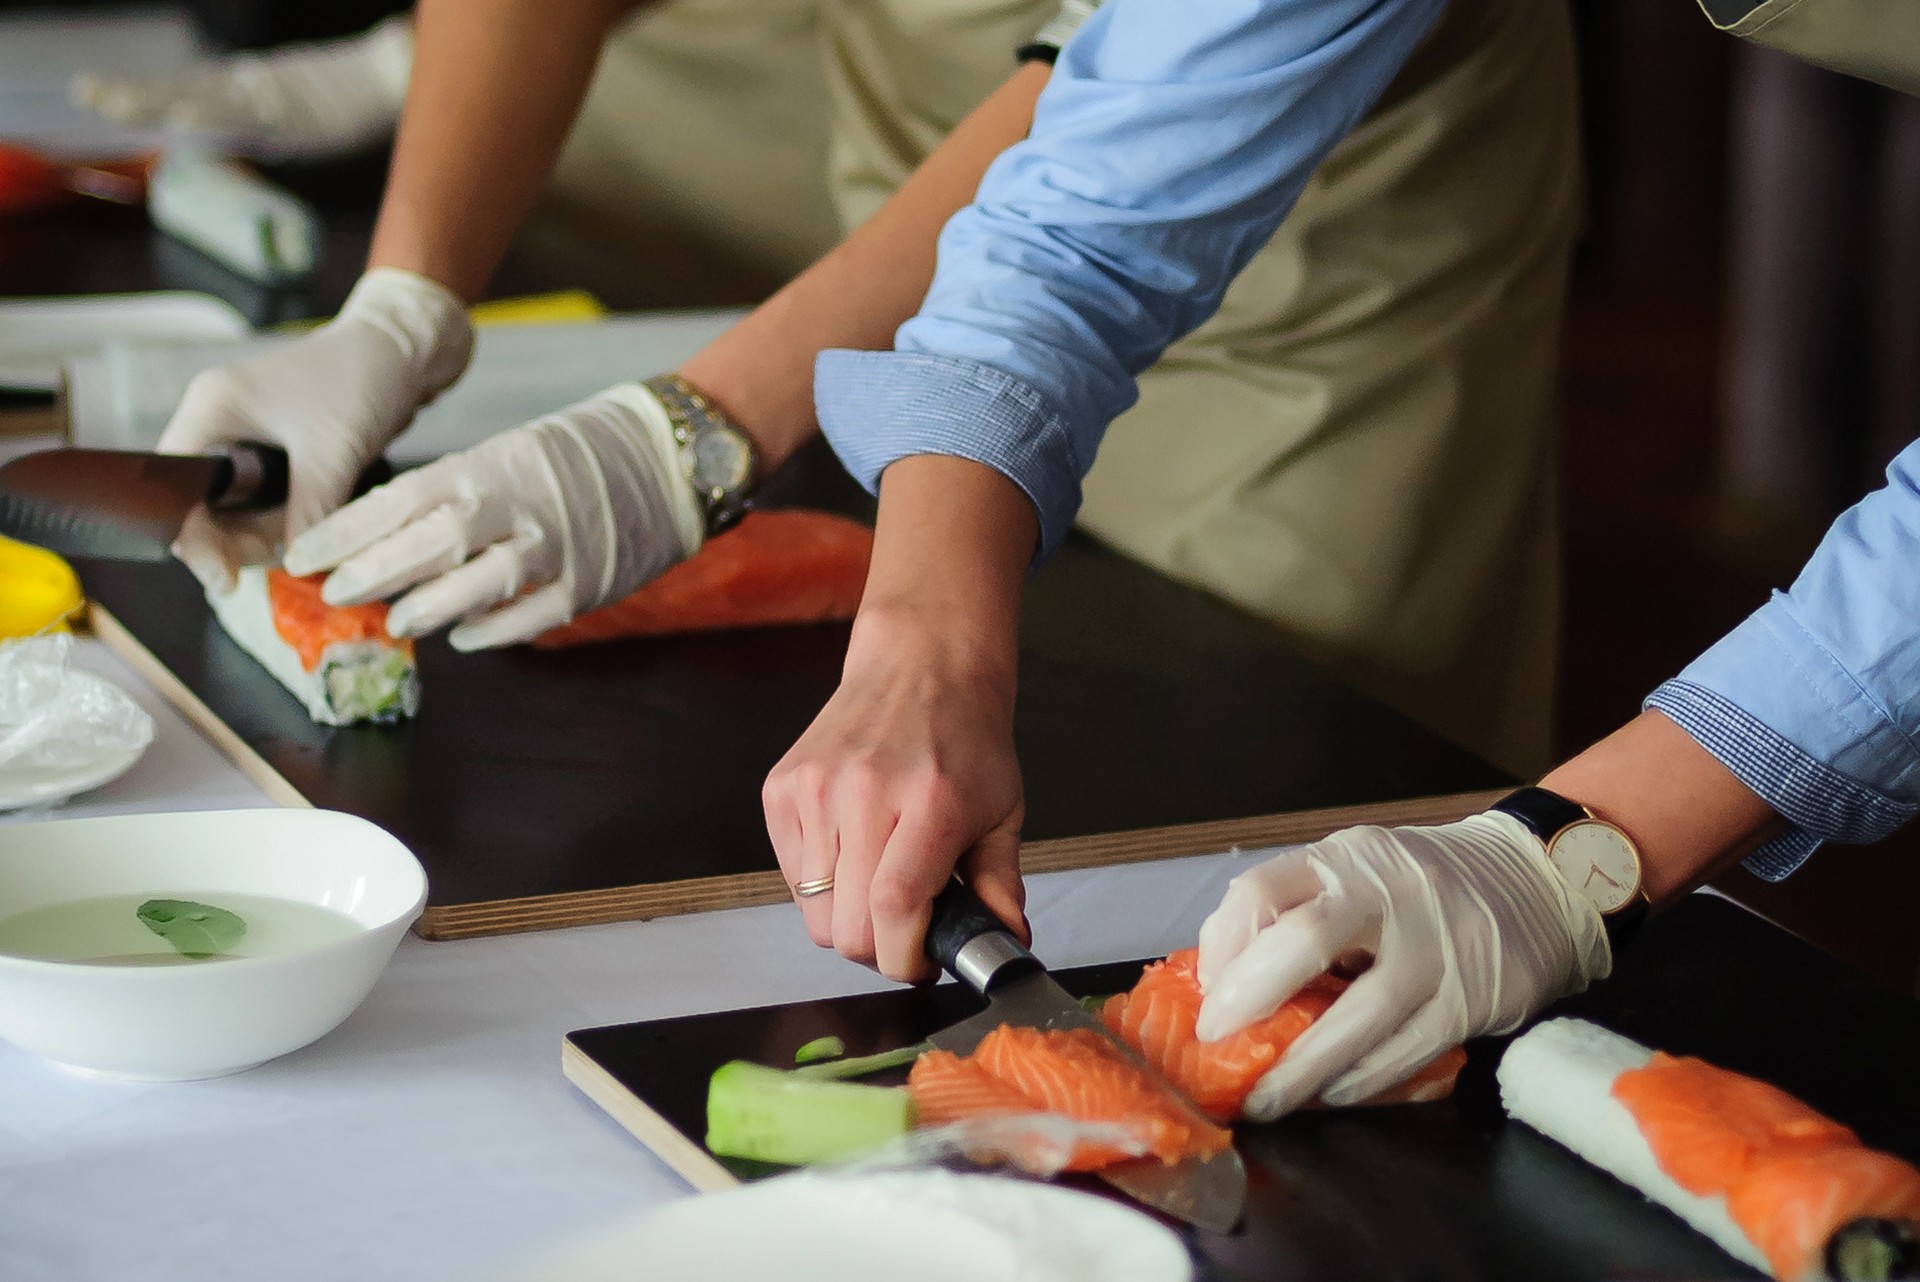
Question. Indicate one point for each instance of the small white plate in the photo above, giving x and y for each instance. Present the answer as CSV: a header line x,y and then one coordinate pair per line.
x,y
44,785
928,1225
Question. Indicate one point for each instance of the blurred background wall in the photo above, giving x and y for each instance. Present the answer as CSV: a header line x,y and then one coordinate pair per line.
x,y
1737,358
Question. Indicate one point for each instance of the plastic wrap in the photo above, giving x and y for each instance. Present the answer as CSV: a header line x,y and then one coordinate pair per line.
x,y
56,717
1038,1144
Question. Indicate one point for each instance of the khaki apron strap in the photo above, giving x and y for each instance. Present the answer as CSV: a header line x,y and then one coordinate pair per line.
x,y
1874,39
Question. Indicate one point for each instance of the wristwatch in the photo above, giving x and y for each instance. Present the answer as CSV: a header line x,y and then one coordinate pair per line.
x,y
1598,860
715,454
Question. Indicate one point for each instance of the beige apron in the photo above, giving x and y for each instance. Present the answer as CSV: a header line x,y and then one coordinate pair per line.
x,y
705,132
1874,39
1359,446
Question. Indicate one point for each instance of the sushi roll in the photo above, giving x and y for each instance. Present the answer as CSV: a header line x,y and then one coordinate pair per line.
x,y
337,660
1770,1180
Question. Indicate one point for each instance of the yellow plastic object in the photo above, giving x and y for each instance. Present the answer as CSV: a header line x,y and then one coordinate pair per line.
x,y
562,307
568,306
39,592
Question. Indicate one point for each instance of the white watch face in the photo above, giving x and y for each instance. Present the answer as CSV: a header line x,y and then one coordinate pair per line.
x,y
1599,862
721,461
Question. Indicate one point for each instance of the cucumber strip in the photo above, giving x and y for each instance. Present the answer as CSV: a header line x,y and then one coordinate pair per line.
x,y
770,1115
820,1048
862,1065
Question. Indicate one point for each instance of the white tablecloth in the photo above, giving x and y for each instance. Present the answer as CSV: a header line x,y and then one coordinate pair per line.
x,y
432,1135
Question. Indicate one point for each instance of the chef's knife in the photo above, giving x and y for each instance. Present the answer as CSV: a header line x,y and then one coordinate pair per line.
x,y
972,945
129,505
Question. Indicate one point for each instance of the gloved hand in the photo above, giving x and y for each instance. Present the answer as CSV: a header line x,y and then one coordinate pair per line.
x,y
523,531
300,101
331,399
1470,930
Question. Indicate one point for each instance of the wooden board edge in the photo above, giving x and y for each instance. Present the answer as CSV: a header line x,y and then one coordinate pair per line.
x,y
662,1138
125,646
744,890
1285,829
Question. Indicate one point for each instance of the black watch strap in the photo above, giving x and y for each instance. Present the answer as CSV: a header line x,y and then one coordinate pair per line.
x,y
1545,813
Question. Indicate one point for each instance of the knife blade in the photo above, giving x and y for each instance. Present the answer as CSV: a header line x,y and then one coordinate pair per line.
x,y
129,505
971,944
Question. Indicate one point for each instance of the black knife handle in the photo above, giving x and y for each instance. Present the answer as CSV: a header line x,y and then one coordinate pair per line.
x,y
254,477
972,944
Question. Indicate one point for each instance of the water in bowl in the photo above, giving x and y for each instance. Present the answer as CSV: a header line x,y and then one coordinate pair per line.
x,y
107,930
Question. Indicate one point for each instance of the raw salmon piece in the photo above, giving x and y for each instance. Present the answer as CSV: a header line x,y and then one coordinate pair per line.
x,y
1707,1126
1073,1072
310,625
773,567
1158,1016
1790,1202
947,1088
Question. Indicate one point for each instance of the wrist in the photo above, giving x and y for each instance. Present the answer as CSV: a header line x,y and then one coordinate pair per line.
x,y
424,319
951,547
1686,812
647,431
926,637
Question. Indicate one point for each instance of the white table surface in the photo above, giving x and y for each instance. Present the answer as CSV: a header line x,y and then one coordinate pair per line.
x,y
432,1135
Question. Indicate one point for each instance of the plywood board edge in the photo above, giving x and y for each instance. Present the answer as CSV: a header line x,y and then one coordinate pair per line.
x,y
745,890
114,635
688,1160
1289,828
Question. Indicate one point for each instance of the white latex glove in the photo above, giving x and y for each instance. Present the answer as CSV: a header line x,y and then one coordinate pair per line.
x,y
1470,929
300,101
523,531
332,399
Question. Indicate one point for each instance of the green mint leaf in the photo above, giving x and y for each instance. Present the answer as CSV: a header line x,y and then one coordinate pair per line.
x,y
195,930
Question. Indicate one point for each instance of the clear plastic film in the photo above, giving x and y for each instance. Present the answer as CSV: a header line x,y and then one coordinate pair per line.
x,y
1037,1144
54,716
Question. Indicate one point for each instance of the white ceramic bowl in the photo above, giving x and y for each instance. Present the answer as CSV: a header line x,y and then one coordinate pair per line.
x,y
168,1023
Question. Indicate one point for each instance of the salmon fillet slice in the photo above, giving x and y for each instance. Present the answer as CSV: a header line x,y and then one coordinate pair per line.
x,y
1158,1017
1790,1176
1706,1126
774,567
307,623
1073,1072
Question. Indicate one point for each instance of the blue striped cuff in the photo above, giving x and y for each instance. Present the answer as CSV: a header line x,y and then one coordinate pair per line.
x,y
1821,803
878,407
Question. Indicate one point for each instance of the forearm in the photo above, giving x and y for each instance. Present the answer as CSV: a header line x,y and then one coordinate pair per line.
x,y
979,529
496,85
1688,814
761,371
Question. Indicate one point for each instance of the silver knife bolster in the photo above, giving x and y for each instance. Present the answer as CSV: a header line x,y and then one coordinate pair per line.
x,y
240,480
988,957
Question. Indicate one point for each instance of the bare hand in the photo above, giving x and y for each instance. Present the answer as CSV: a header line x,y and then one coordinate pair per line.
x,y
907,774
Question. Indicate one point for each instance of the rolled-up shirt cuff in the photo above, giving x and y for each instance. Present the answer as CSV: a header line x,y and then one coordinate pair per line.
x,y
1820,803
878,407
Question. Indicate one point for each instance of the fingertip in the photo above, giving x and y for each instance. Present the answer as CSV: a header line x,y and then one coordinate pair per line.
x,y
205,563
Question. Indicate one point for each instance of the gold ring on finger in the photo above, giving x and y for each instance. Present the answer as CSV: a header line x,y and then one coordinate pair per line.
x,y
808,889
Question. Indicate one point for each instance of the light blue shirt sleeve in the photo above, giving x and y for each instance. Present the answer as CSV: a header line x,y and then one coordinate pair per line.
x,y
1814,701
1168,145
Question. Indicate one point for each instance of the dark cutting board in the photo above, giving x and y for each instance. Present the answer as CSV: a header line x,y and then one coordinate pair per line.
x,y
623,780
1437,1191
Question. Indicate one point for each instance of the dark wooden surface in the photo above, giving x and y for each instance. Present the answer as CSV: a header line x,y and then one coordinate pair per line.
x,y
1439,1191
1142,703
